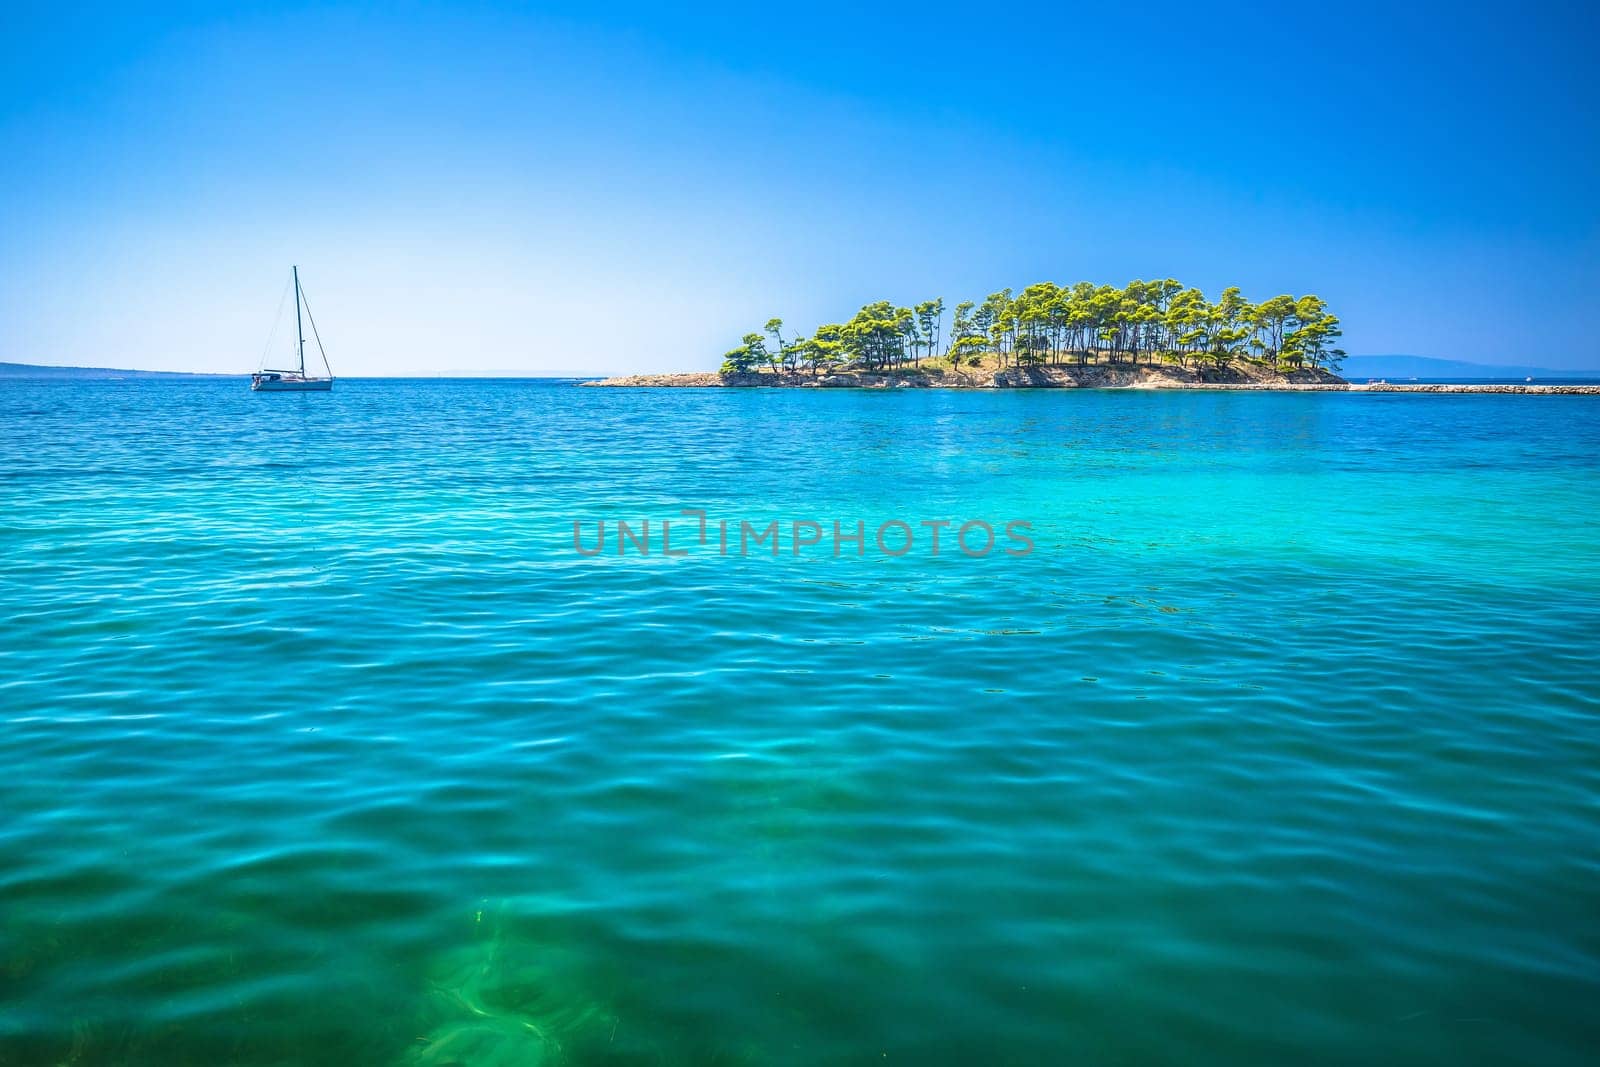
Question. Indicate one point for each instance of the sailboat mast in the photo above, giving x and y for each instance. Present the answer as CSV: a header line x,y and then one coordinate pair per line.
x,y
299,329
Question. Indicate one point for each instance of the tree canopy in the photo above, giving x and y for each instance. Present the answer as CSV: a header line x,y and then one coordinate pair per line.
x,y
1050,324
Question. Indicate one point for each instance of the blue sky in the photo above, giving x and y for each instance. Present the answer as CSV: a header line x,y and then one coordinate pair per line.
x,y
479,188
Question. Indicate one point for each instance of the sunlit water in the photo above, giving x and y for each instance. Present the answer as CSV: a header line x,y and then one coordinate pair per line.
x,y
321,744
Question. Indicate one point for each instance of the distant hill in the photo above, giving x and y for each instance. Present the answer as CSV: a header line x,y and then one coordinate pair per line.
x,y
29,370
1358,368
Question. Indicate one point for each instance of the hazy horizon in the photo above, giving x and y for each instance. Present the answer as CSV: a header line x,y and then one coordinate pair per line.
x,y
492,190
1357,365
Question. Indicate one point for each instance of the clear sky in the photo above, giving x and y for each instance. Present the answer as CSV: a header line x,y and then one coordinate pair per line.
x,y
610,187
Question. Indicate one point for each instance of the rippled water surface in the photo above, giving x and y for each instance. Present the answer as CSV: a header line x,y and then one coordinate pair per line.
x,y
321,744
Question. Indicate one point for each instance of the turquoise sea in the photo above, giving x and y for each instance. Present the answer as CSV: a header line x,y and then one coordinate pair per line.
x,y
321,744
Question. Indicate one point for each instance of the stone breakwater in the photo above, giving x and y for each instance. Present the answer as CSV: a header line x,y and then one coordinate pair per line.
x,y
1569,390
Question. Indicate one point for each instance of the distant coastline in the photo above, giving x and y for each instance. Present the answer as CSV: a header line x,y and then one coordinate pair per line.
x,y
38,371
1406,368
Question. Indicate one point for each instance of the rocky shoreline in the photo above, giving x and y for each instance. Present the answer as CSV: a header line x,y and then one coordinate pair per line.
x,y
1093,376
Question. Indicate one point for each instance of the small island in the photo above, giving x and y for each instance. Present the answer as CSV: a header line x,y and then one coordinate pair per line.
x,y
1145,335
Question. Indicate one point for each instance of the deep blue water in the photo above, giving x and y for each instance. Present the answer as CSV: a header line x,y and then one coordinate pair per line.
x,y
322,744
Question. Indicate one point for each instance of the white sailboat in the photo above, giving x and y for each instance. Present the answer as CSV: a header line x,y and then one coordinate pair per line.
x,y
267,380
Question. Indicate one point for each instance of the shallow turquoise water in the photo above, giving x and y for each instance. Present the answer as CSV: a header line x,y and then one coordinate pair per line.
x,y
323,745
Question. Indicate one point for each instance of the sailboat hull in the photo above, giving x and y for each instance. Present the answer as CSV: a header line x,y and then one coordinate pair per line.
x,y
292,385
282,379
